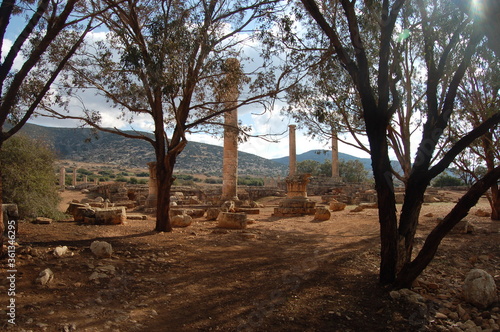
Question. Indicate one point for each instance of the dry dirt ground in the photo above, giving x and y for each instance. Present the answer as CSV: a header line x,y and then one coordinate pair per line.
x,y
288,274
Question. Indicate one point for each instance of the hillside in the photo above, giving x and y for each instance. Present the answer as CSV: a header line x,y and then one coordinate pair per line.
x,y
87,145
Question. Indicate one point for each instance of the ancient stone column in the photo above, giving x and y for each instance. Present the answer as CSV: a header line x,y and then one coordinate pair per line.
x,y
153,186
230,159
62,178
335,156
292,151
74,177
85,179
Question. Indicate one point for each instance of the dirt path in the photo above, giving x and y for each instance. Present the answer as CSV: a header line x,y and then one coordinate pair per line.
x,y
288,274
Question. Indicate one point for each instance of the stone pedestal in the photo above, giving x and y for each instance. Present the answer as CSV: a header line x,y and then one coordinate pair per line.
x,y
153,187
296,203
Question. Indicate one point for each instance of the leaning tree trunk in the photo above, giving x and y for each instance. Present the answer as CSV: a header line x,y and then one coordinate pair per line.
x,y
410,212
412,270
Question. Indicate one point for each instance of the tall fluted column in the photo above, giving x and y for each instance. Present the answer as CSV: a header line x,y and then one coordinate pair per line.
x,y
230,99
292,151
335,156
62,178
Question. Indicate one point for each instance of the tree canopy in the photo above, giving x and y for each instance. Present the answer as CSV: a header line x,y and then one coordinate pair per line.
x,y
386,70
170,62
28,177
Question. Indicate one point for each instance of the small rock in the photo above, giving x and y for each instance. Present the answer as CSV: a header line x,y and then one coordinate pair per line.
x,y
429,215
395,295
108,269
60,251
411,296
43,221
322,214
358,208
248,235
337,206
101,249
440,315
482,213
45,277
97,276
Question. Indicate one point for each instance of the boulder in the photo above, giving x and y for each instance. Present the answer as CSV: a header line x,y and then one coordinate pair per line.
x,y
181,220
232,220
196,213
111,216
101,249
479,288
322,214
45,277
337,206
212,214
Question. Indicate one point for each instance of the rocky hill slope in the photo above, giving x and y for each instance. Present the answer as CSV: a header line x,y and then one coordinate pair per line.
x,y
87,145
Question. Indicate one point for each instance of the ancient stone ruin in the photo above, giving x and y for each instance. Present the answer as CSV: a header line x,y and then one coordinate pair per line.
x,y
296,202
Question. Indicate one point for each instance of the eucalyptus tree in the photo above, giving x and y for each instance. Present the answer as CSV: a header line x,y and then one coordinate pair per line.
x,y
478,98
400,65
29,60
167,61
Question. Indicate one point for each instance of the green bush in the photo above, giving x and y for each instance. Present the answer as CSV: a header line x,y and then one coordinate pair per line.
x,y
84,171
121,179
28,177
249,181
446,180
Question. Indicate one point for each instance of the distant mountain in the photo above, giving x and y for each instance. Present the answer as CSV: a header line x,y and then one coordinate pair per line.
x,y
322,155
87,145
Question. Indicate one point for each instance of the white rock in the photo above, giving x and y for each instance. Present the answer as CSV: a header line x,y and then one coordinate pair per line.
x,y
101,249
45,277
479,288
60,251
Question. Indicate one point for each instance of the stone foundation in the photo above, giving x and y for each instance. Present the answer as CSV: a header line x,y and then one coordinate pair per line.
x,y
296,206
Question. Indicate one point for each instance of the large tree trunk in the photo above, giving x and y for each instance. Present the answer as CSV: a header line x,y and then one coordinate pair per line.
x,y
376,127
412,270
164,183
